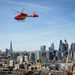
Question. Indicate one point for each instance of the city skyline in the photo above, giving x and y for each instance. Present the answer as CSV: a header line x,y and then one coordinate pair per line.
x,y
46,47
55,23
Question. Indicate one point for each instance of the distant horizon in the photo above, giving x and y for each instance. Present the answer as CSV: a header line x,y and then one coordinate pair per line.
x,y
56,22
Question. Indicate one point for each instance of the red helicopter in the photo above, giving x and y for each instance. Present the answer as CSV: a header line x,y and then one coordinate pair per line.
x,y
22,16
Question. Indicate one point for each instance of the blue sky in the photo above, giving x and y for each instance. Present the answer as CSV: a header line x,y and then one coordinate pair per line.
x,y
56,21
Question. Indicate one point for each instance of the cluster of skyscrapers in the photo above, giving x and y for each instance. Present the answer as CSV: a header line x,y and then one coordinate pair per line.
x,y
43,55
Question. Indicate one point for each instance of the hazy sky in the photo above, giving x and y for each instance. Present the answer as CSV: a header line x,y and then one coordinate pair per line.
x,y
56,21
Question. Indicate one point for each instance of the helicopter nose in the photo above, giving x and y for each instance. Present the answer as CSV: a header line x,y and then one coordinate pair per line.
x,y
15,18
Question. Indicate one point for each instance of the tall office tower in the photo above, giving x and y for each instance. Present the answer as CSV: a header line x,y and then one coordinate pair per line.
x,y
7,52
52,46
65,52
37,56
43,48
60,53
32,57
43,53
11,49
72,50
61,46
51,52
